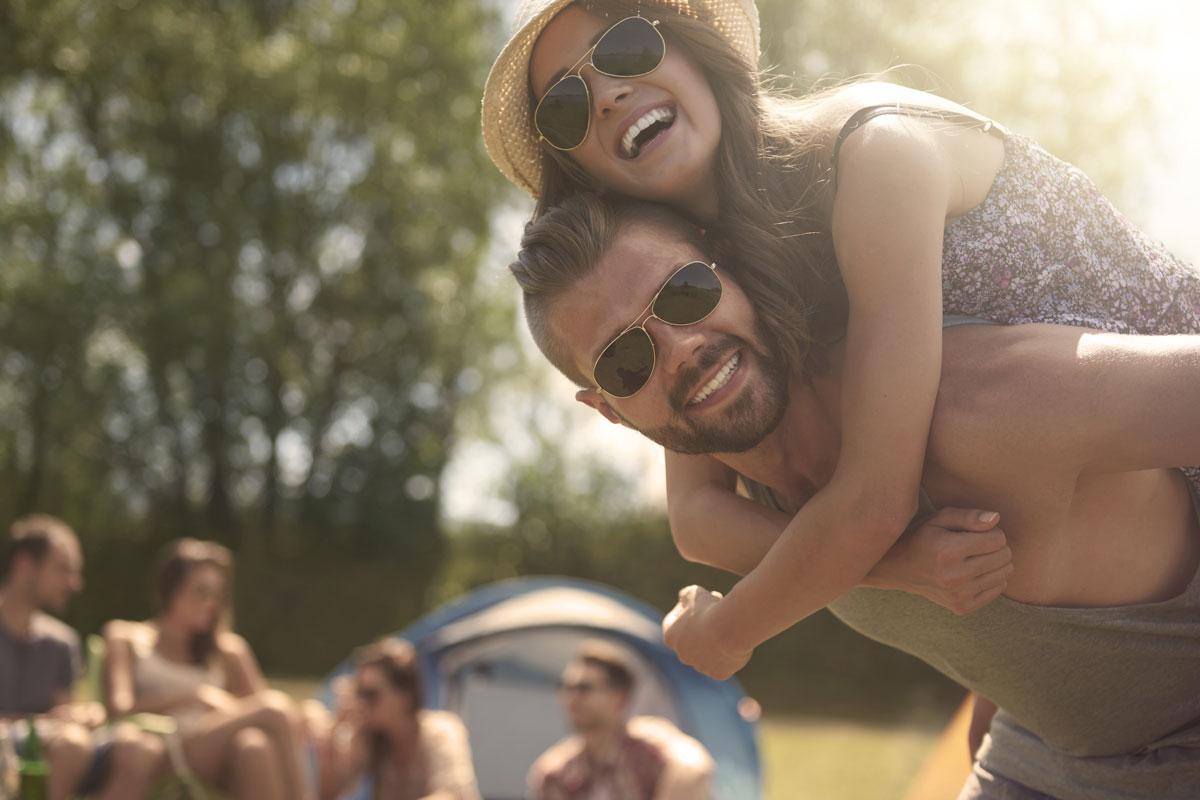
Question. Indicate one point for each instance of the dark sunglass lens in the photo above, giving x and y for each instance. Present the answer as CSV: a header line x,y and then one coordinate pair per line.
x,y
562,116
689,296
624,366
632,47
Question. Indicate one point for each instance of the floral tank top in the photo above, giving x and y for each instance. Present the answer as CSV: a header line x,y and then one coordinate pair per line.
x,y
1046,246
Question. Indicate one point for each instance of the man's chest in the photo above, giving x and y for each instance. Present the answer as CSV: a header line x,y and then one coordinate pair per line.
x,y
1090,540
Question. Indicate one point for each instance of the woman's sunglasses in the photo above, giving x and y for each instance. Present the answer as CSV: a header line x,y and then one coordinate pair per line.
x,y
687,297
629,49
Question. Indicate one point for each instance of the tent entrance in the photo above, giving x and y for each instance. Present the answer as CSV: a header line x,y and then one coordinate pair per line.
x,y
504,686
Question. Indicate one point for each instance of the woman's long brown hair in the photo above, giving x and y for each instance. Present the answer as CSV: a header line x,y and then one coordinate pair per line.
x,y
773,187
398,661
176,562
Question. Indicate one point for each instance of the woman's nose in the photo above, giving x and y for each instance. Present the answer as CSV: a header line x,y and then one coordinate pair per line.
x,y
609,95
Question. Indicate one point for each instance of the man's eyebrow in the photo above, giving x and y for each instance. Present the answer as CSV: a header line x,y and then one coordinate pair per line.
x,y
620,329
556,77
617,331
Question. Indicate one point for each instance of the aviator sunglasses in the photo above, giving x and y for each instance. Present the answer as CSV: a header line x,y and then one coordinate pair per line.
x,y
629,49
687,297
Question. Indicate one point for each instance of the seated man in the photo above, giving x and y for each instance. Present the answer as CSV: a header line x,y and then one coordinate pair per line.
x,y
1075,437
39,661
609,756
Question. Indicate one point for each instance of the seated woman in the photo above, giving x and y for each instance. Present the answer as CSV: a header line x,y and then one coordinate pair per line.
x,y
381,744
232,732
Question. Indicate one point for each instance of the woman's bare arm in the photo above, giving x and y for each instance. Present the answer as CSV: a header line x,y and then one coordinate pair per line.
x,y
888,221
955,558
244,674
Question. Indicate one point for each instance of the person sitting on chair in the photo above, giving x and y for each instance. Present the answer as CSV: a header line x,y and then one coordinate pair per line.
x,y
39,661
382,744
232,731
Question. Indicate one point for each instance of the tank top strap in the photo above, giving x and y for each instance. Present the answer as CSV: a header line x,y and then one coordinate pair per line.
x,y
868,113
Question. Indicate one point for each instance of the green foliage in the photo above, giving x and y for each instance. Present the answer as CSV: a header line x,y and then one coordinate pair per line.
x,y
240,262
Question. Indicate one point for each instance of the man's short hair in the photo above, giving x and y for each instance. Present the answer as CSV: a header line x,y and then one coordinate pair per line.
x,y
564,244
34,535
610,659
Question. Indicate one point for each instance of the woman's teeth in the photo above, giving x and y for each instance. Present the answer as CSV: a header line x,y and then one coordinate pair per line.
x,y
718,380
629,149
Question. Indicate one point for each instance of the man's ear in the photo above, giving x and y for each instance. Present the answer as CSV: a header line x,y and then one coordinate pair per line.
x,y
592,398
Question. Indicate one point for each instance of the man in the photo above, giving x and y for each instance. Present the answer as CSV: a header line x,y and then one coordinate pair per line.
x,y
611,756
1094,652
40,660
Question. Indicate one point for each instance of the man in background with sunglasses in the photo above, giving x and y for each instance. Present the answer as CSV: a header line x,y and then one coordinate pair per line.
x,y
612,757
1075,436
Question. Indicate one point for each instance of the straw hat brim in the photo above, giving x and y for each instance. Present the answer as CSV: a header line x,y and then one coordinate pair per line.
x,y
508,133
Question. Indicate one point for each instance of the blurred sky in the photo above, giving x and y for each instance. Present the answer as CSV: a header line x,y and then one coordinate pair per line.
x,y
1169,182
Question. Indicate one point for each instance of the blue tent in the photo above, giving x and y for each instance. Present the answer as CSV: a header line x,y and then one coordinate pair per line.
x,y
494,656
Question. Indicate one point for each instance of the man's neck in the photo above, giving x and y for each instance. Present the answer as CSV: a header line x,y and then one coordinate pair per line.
x,y
16,612
601,744
800,454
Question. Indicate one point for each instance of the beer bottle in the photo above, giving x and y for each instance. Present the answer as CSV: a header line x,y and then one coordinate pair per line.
x,y
35,772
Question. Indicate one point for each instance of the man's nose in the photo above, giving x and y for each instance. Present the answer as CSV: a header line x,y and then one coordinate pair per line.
x,y
675,345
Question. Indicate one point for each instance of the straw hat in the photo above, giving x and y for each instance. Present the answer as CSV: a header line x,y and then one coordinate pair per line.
x,y
507,128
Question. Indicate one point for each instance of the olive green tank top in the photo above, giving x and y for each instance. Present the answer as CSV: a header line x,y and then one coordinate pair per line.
x,y
1096,703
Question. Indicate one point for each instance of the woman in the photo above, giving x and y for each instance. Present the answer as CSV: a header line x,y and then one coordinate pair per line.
x,y
383,741
185,662
862,212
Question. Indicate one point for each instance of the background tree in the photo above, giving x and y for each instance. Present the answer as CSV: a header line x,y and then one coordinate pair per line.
x,y
241,248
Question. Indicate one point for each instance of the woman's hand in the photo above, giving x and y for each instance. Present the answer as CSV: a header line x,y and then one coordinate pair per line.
x,y
958,558
90,714
214,698
687,630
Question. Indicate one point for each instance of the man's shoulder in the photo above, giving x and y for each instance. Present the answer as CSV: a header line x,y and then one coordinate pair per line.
x,y
995,373
1006,396
561,767
45,627
978,358
559,755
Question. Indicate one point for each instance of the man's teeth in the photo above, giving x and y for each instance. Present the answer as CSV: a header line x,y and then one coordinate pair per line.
x,y
718,380
645,121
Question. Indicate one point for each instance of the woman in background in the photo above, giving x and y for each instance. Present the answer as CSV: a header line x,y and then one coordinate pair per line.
x,y
383,745
185,662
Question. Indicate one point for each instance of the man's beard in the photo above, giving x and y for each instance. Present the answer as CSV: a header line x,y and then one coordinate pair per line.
x,y
743,423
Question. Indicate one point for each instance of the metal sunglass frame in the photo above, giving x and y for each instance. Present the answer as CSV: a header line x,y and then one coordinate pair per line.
x,y
577,68
647,314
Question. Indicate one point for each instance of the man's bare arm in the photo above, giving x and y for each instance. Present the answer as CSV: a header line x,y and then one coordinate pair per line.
x,y
1069,399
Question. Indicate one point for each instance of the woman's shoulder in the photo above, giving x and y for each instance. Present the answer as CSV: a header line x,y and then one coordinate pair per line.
x,y
440,722
232,644
126,630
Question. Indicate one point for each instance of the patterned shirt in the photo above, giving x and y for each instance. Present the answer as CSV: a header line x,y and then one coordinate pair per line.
x,y
568,772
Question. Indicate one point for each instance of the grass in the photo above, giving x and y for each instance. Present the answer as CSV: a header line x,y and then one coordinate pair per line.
x,y
814,758
823,759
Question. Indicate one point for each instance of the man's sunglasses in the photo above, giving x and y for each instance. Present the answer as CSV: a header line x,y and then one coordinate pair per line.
x,y
629,49
688,296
